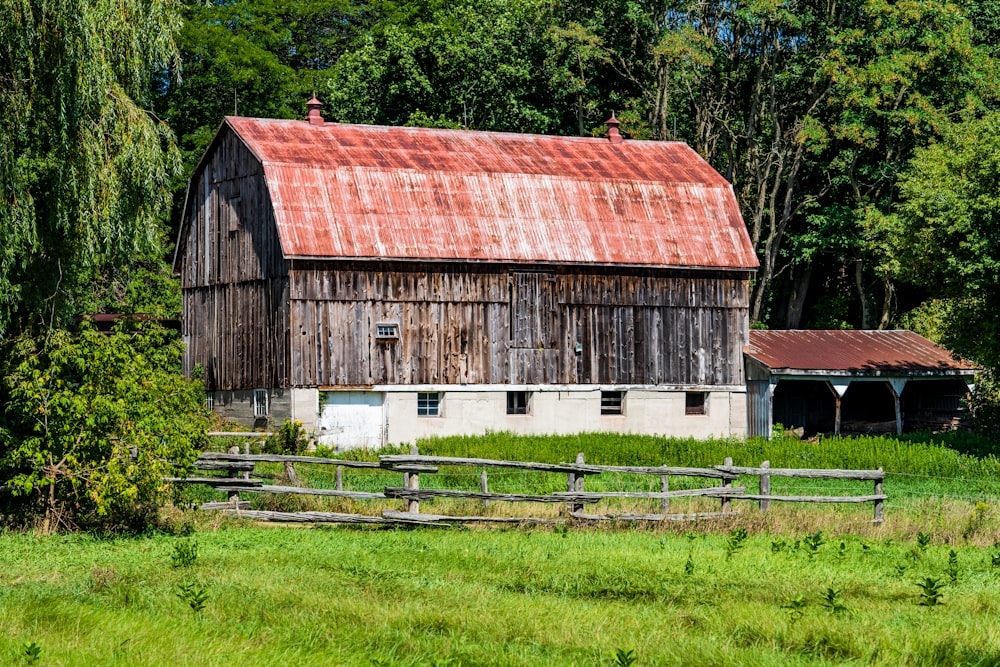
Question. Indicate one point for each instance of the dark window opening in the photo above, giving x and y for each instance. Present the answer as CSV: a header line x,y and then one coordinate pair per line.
x,y
694,403
428,404
517,402
612,402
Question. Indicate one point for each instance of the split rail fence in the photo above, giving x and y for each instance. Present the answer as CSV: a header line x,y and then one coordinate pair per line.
x,y
238,482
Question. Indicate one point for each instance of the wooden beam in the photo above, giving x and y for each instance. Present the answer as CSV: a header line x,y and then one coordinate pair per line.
x,y
808,473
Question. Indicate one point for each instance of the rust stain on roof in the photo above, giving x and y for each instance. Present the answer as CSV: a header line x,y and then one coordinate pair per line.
x,y
368,191
854,351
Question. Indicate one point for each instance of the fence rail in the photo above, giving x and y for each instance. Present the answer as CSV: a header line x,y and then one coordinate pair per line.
x,y
240,466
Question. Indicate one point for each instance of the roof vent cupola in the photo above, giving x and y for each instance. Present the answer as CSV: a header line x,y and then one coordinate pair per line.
x,y
613,135
314,116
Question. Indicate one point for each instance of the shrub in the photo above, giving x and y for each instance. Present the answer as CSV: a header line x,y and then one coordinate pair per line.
x,y
89,423
290,438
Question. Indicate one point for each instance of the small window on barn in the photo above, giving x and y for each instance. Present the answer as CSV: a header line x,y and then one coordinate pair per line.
x,y
209,401
517,402
260,403
387,331
612,402
694,403
428,404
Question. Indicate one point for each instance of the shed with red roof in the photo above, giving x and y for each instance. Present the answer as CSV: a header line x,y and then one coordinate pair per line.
x,y
853,382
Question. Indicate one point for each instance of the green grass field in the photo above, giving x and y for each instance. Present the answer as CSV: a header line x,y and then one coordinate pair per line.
x,y
495,597
696,593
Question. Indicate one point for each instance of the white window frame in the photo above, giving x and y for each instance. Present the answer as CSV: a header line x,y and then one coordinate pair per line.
x,y
386,331
261,404
428,406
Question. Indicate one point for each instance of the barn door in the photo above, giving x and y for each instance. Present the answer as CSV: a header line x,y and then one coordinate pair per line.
x,y
533,315
534,329
351,419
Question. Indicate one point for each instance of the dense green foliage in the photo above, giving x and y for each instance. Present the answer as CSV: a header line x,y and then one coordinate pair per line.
x,y
89,424
498,597
947,233
85,168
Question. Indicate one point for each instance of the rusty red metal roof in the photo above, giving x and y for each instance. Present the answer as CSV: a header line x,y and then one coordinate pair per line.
x,y
365,191
860,352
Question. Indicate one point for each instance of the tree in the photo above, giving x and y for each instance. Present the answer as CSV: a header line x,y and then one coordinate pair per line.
x,y
945,233
85,167
470,64
251,58
89,426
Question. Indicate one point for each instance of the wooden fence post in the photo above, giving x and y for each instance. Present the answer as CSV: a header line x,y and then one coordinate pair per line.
x,y
664,502
234,496
878,503
765,487
578,483
484,486
726,483
413,482
340,478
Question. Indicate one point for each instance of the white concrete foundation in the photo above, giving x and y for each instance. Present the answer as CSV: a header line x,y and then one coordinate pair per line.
x,y
344,419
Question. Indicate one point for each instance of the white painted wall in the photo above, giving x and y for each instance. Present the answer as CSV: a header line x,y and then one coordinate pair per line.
x,y
466,412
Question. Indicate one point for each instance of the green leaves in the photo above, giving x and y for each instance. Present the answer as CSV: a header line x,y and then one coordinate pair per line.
x,y
84,168
90,422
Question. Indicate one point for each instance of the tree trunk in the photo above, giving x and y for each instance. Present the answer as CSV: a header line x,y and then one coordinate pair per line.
x,y
889,293
797,299
866,317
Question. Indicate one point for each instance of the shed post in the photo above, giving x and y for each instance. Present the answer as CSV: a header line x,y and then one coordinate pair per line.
x,y
839,387
897,385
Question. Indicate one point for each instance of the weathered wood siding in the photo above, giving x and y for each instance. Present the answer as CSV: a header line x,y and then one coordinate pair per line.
x,y
233,274
479,324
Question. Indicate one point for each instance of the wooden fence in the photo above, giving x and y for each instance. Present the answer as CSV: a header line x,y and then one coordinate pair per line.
x,y
238,482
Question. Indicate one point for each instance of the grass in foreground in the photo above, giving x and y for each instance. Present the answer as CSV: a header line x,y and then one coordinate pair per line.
x,y
496,597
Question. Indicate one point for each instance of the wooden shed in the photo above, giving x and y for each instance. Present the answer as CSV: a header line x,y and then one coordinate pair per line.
x,y
853,382
385,283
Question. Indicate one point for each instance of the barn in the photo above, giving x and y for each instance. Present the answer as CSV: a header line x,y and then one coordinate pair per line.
x,y
381,284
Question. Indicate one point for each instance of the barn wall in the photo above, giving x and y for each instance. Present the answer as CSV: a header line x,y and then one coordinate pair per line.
x,y
233,274
479,324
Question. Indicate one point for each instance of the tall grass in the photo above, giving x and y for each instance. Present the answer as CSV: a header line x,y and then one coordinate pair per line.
x,y
912,454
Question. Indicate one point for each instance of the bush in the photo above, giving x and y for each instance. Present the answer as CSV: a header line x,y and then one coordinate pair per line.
x,y
290,438
89,423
